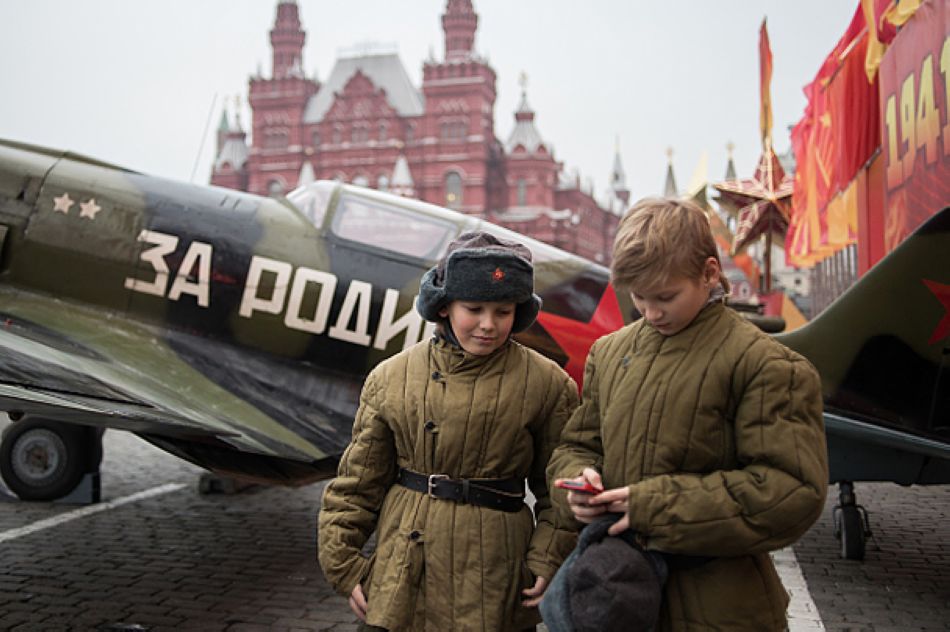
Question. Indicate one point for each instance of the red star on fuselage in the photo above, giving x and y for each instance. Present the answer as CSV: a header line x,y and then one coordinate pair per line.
x,y
942,292
576,337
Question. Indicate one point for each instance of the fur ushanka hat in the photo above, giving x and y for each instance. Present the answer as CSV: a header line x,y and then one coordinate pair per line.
x,y
481,267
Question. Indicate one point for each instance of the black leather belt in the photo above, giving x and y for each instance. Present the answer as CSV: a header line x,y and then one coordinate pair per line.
x,y
502,494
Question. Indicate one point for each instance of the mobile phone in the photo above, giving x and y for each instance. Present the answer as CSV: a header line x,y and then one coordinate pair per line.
x,y
575,486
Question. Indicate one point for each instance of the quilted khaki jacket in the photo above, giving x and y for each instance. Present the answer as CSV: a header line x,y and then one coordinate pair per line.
x,y
718,432
440,565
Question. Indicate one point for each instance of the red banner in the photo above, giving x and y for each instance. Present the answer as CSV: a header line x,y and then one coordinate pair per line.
x,y
833,140
765,82
915,131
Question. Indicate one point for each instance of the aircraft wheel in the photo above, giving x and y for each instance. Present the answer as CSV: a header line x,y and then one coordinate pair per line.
x,y
852,533
42,459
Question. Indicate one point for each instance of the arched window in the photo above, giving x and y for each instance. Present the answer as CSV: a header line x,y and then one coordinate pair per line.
x,y
361,181
382,182
315,139
275,139
522,192
359,133
453,130
453,190
383,131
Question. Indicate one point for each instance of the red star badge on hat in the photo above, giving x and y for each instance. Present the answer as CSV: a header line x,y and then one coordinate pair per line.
x,y
942,292
576,337
498,274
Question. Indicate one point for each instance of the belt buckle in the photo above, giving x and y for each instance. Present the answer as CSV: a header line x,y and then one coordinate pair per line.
x,y
433,481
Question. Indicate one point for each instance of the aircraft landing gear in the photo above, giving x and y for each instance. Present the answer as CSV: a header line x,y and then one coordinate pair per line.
x,y
46,460
851,523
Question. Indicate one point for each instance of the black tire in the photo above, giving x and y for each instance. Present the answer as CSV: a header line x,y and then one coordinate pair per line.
x,y
42,459
852,533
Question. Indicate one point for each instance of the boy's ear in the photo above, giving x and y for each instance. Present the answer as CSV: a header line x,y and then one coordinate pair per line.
x,y
444,312
711,271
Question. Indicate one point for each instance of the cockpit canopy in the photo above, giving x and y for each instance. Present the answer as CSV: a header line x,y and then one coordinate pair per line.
x,y
397,224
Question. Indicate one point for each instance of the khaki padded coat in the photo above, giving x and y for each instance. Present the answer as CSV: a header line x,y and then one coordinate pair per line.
x,y
718,432
441,565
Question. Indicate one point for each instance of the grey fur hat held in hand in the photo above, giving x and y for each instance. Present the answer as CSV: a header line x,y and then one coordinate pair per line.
x,y
481,267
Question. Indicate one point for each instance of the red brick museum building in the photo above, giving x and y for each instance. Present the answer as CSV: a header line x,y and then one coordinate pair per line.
x,y
367,124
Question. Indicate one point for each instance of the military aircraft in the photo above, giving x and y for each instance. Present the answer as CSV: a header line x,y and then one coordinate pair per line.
x,y
232,330
235,331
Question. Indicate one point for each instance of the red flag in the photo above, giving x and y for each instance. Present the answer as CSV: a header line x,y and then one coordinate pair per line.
x,y
895,14
875,45
832,141
855,112
883,18
765,81
885,29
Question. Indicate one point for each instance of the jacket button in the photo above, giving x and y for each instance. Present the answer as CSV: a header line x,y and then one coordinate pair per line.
x,y
436,375
414,535
430,425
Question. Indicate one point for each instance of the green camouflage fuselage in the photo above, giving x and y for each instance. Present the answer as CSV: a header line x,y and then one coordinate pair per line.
x,y
231,329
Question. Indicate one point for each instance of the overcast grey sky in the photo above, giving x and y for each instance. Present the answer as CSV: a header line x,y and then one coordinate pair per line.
x,y
133,81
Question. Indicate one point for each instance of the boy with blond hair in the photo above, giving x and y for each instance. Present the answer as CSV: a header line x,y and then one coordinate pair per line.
x,y
705,433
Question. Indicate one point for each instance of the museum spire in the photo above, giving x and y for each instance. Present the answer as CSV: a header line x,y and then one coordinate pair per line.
x,y
459,23
287,39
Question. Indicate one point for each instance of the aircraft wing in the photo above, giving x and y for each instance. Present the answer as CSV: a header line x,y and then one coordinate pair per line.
x,y
64,362
882,351
864,451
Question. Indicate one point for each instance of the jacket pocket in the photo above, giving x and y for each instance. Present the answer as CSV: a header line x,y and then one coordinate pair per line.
x,y
397,580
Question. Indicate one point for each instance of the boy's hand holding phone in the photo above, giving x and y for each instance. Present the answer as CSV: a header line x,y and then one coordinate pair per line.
x,y
581,487
580,491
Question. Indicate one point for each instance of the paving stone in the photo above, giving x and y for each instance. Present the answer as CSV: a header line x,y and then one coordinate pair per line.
x,y
247,562
903,582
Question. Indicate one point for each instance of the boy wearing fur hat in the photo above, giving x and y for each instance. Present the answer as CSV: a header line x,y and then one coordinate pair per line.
x,y
446,434
706,433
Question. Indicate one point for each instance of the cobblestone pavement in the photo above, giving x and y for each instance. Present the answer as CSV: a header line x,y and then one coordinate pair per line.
x,y
243,563
904,582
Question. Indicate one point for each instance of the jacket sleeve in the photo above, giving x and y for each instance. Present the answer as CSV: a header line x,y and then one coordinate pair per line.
x,y
351,502
778,489
580,444
552,540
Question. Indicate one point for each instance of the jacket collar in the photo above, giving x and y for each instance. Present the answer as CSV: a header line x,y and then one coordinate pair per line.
x,y
711,312
451,357
713,309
